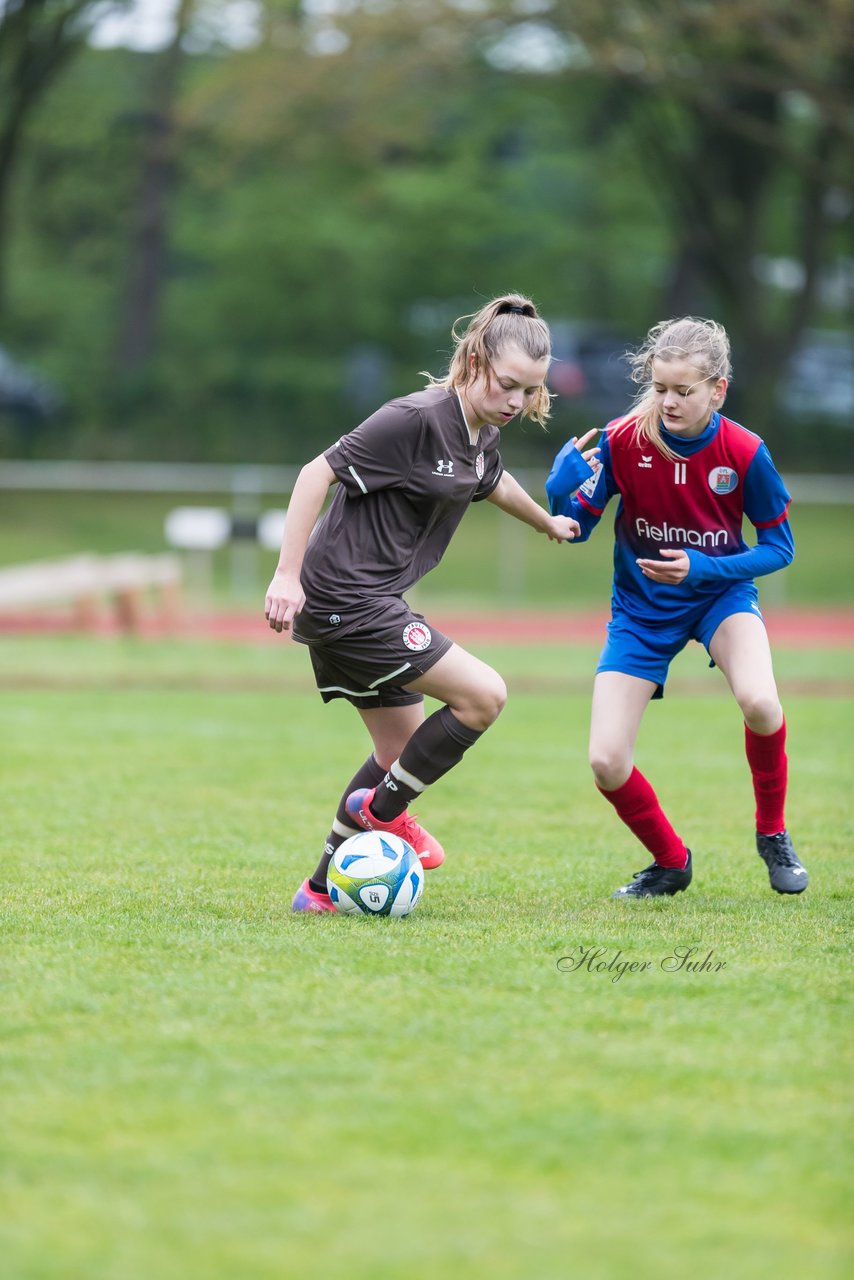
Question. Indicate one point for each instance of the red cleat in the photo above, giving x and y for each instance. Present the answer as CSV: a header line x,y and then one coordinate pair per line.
x,y
431,853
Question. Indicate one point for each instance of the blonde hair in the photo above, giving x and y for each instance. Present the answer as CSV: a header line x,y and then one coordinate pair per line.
x,y
509,320
702,343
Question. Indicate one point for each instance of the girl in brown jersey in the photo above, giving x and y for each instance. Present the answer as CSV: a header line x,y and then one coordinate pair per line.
x,y
405,478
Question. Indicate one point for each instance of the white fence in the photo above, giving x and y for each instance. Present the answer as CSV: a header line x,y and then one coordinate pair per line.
x,y
248,490
243,481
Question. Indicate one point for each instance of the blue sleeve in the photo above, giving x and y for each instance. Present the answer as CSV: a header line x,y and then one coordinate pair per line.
x,y
775,549
766,502
568,473
766,498
591,499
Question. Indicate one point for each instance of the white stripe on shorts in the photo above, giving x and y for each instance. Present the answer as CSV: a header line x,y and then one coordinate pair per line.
x,y
339,688
391,675
363,693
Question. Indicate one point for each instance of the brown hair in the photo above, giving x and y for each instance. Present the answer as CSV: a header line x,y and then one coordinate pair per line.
x,y
702,343
510,320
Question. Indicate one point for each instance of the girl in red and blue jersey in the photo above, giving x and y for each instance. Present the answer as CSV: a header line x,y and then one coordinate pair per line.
x,y
686,476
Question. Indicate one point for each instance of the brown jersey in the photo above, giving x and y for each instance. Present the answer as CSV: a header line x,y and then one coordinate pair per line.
x,y
407,476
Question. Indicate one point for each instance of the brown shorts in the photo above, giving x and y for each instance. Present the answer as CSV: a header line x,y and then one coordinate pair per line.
x,y
370,666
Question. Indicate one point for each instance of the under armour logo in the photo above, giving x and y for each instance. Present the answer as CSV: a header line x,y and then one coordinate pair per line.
x,y
444,467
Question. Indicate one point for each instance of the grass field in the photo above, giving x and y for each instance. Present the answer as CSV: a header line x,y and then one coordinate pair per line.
x,y
198,1085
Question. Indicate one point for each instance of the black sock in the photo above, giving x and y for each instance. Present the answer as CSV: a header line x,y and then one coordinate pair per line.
x,y
370,774
432,751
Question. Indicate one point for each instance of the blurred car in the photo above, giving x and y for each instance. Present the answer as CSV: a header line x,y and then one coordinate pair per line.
x,y
588,372
819,382
27,399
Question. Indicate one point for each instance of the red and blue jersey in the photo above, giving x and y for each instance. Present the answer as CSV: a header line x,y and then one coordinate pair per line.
x,y
694,503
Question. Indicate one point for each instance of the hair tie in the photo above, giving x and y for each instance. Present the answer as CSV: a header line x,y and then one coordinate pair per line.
x,y
516,310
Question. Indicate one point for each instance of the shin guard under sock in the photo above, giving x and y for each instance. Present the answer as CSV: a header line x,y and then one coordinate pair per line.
x,y
769,768
369,775
637,804
434,748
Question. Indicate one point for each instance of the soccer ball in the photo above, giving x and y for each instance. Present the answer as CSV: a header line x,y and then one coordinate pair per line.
x,y
375,874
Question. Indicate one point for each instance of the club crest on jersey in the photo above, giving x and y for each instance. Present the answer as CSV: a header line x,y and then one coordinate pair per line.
x,y
416,636
722,479
479,465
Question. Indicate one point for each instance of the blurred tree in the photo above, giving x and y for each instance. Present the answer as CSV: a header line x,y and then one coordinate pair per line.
x,y
37,39
741,116
365,195
147,248
742,113
349,182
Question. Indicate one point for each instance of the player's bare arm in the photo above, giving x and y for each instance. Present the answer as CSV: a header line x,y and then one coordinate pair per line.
x,y
285,596
672,570
509,495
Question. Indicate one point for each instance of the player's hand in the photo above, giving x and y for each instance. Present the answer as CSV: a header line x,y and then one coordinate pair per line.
x,y
590,456
563,529
673,570
285,597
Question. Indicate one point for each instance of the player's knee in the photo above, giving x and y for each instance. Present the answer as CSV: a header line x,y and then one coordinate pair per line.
x,y
761,711
493,698
485,702
611,766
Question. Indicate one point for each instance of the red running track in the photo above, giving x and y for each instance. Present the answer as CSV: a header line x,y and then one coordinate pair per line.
x,y
797,628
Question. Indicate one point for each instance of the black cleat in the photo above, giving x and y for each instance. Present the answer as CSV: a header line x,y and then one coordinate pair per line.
x,y
784,868
657,882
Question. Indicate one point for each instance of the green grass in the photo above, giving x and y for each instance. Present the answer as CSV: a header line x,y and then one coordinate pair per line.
x,y
198,1085
492,558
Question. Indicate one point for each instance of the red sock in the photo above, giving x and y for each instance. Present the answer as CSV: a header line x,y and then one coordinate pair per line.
x,y
769,765
637,804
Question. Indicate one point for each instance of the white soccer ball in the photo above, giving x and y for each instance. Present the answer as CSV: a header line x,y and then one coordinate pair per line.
x,y
375,874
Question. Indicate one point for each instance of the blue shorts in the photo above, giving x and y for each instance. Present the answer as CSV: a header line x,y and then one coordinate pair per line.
x,y
640,650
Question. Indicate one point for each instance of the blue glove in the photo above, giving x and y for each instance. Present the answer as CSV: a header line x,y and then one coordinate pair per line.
x,y
569,471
